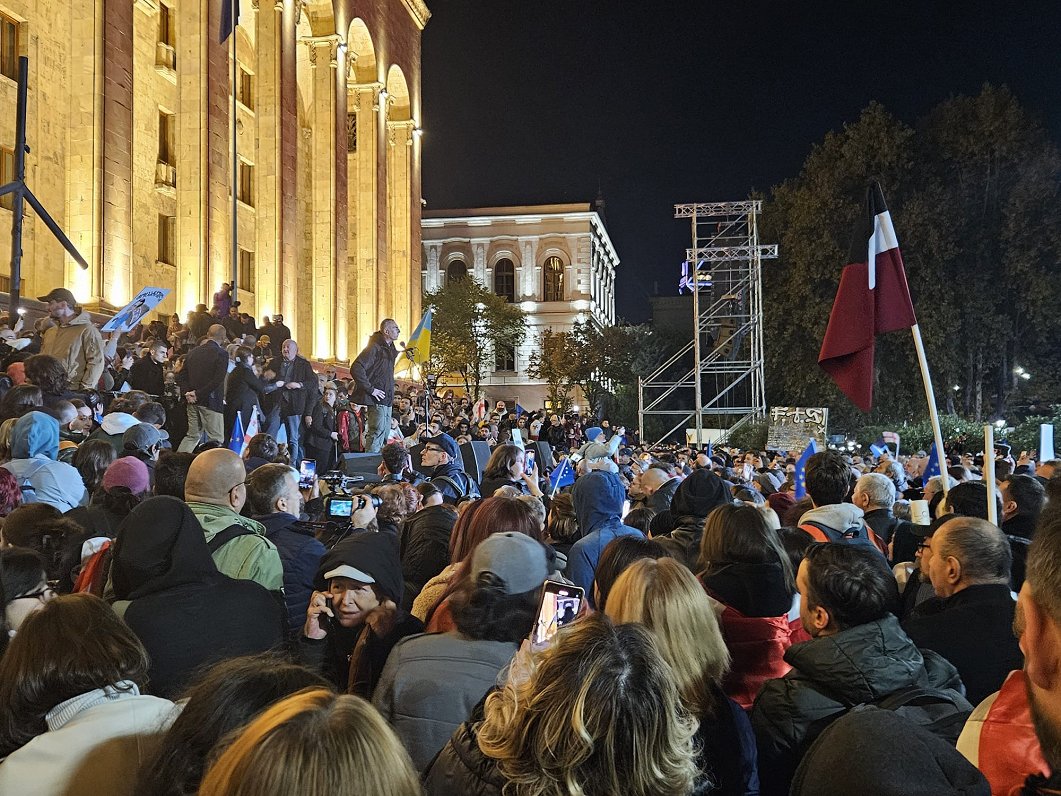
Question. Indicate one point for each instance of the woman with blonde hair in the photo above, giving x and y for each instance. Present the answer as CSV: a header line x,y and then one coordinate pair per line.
x,y
665,597
314,743
596,713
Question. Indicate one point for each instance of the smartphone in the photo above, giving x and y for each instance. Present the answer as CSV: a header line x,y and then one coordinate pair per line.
x,y
340,507
528,462
307,473
559,605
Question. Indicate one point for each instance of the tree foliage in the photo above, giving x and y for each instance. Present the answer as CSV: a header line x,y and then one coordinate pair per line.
x,y
555,361
973,192
471,323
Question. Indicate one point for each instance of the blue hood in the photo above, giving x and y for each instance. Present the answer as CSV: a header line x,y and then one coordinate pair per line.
x,y
35,434
598,498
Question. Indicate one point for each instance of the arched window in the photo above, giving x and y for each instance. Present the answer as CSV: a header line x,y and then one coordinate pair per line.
x,y
505,358
456,270
554,280
505,280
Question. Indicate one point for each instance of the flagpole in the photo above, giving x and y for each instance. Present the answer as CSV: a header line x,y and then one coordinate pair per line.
x,y
989,474
930,396
235,163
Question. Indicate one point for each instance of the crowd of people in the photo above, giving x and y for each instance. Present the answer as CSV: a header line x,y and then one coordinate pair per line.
x,y
188,612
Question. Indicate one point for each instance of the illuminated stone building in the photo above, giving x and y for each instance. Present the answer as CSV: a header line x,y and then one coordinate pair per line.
x,y
129,126
557,261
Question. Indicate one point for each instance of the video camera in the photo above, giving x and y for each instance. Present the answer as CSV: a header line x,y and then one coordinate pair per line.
x,y
338,508
338,481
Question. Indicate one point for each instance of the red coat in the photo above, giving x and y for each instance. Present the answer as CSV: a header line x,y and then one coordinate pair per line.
x,y
757,647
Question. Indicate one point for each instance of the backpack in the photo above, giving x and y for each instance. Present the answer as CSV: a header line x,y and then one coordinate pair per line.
x,y
940,711
862,536
472,490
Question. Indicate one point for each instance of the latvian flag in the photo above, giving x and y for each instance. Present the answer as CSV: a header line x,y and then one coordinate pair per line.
x,y
873,298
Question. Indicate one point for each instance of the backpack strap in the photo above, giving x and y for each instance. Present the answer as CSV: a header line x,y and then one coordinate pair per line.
x,y
461,492
226,536
815,531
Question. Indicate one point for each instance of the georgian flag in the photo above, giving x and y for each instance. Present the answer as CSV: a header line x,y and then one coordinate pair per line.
x,y
873,298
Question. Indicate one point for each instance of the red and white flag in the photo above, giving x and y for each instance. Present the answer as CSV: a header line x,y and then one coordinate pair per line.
x,y
873,298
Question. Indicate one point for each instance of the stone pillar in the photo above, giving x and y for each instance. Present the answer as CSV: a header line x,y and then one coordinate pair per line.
x,y
528,250
268,189
323,54
341,323
289,145
363,214
117,268
399,221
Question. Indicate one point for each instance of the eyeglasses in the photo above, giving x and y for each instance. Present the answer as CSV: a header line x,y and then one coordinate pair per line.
x,y
433,450
237,486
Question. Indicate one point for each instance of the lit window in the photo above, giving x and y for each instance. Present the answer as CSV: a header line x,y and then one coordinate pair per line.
x,y
245,92
167,240
246,270
246,184
167,126
8,47
7,174
554,280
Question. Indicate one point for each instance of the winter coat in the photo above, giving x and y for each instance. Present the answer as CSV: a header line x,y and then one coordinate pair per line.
x,y
205,369
149,376
831,674
113,428
249,556
187,614
300,556
408,696
462,768
454,471
491,485
972,629
598,501
727,758
242,391
425,547
294,403
79,346
755,604
317,438
42,479
373,369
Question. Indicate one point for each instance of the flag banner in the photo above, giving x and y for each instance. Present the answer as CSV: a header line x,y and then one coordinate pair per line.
x,y
418,350
253,429
134,312
479,410
563,475
891,438
879,449
236,441
873,298
801,469
932,466
791,425
229,19
1046,442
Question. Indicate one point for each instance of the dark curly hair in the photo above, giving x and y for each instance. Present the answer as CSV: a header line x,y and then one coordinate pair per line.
x,y
828,478
48,373
482,611
852,583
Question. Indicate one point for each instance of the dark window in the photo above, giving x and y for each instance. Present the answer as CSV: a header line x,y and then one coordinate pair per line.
x,y
456,270
167,149
167,240
7,174
554,280
505,280
246,270
8,47
246,184
245,93
505,358
5,283
167,26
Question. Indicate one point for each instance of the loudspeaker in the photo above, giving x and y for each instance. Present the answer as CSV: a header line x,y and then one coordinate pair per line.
x,y
414,456
363,464
546,461
475,454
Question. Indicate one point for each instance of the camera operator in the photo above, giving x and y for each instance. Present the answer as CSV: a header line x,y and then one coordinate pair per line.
x,y
397,466
354,620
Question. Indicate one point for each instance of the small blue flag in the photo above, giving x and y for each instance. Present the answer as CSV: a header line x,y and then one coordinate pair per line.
x,y
801,469
878,448
229,19
520,410
932,468
710,449
563,475
235,444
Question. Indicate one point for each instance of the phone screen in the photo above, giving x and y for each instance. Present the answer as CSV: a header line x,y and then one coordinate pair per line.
x,y
307,473
340,507
559,606
528,462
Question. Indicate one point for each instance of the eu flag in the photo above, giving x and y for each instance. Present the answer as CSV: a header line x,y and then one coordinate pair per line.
x,y
932,468
563,475
801,469
235,443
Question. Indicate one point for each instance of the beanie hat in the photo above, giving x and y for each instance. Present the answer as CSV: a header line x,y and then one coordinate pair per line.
x,y
699,494
782,503
593,432
368,557
129,472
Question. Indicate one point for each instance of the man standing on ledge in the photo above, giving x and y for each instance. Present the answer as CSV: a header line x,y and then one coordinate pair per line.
x,y
74,340
373,375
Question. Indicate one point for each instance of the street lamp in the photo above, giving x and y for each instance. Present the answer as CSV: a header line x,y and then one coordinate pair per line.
x,y
1000,423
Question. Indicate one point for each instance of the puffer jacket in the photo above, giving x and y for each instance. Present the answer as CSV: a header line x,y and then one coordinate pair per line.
x,y
79,346
755,605
831,674
462,768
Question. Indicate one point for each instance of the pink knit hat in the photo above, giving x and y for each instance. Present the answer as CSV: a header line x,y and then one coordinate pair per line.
x,y
129,472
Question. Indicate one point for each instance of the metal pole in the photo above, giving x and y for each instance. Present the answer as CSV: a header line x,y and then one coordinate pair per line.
x,y
930,395
235,175
694,267
18,209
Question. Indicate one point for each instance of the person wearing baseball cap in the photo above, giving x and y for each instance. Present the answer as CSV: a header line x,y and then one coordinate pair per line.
x,y
432,682
74,340
354,619
144,442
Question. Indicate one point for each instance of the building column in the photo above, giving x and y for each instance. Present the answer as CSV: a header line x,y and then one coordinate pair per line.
x,y
268,189
323,63
528,251
399,220
363,210
340,164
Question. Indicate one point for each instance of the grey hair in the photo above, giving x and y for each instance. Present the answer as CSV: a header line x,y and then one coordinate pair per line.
x,y
936,482
894,471
879,488
981,547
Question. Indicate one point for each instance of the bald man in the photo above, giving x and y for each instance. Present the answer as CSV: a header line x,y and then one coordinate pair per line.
x,y
216,489
203,384
658,488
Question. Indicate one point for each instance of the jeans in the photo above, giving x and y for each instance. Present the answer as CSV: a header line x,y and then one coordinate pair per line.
x,y
377,427
201,419
293,425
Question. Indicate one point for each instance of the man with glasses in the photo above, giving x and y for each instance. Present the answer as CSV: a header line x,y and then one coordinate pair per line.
x,y
216,489
441,462
373,375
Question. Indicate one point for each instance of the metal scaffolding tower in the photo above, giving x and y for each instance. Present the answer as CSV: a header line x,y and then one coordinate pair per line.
x,y
724,272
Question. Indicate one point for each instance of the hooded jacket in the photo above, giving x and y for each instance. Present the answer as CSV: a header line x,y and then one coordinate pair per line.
x,y
79,346
425,547
598,501
249,556
34,449
831,674
695,498
300,555
113,428
186,613
373,369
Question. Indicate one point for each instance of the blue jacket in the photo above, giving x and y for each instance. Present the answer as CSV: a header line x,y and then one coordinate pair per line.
x,y
300,555
598,499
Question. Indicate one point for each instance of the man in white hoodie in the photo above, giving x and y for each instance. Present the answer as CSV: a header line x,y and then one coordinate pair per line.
x,y
829,482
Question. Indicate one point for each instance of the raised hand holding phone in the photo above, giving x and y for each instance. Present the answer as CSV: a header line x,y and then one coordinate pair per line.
x,y
319,603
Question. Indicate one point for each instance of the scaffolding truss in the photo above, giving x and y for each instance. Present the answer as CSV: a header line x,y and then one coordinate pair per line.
x,y
724,386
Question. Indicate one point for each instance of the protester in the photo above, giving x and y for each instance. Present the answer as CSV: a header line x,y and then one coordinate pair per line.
x,y
24,589
373,375
598,500
73,339
322,438
696,497
295,398
203,383
875,495
828,479
242,391
425,542
43,479
617,555
506,467
125,483
442,463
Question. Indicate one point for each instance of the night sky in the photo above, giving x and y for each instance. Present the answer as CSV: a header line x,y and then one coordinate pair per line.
x,y
665,102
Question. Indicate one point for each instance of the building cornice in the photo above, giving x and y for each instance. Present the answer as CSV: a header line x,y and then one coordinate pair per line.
x,y
418,10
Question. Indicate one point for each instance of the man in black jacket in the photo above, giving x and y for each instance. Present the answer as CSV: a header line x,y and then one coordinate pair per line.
x,y
875,495
373,375
149,373
203,382
442,462
297,396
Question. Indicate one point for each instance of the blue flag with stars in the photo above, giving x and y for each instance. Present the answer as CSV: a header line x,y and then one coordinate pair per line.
x,y
932,468
563,475
236,443
801,469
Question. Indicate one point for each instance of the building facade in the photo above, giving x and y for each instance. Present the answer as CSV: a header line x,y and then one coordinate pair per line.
x,y
130,130
556,261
